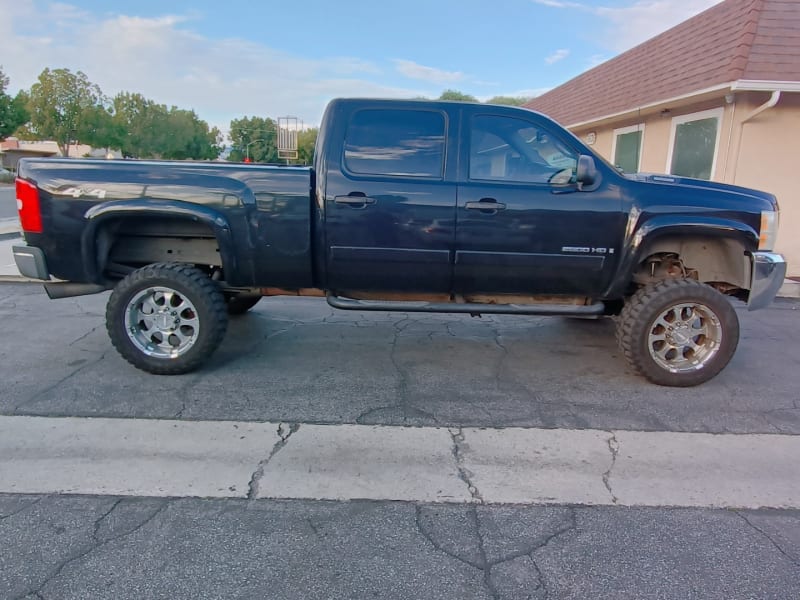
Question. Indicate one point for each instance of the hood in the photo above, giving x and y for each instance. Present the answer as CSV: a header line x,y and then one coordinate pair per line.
x,y
699,185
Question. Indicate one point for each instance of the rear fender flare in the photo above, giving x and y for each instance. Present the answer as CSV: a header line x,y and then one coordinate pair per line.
x,y
104,213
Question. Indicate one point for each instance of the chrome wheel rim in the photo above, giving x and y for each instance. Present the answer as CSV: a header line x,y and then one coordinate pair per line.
x,y
684,337
162,322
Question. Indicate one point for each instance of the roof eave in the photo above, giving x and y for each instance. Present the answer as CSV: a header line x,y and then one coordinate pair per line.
x,y
636,109
741,85
758,85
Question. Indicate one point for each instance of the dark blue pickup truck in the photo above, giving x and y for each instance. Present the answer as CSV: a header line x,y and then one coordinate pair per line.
x,y
410,206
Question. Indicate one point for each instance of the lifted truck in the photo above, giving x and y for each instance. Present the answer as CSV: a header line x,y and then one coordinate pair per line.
x,y
410,206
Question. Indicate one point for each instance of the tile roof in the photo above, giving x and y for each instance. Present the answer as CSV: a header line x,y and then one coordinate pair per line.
x,y
736,39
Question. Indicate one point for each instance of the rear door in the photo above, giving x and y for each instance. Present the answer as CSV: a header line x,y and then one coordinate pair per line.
x,y
389,207
524,225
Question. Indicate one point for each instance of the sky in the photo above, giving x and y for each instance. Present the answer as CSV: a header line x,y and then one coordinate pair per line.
x,y
228,59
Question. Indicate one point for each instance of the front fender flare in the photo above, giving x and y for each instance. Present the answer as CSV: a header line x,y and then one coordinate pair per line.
x,y
671,226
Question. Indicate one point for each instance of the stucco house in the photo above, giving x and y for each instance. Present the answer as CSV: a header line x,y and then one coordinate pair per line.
x,y
716,97
11,150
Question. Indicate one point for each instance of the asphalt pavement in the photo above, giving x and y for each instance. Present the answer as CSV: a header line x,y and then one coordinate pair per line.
x,y
8,202
326,454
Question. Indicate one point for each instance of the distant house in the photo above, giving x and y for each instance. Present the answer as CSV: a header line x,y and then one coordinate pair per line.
x,y
12,149
715,97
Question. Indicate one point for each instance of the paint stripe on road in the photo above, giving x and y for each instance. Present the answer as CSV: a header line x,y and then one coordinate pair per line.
x,y
138,457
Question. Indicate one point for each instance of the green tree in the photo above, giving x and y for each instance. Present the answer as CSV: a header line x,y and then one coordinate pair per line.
x,y
306,140
99,129
13,111
143,123
151,130
59,103
188,137
509,100
455,95
253,138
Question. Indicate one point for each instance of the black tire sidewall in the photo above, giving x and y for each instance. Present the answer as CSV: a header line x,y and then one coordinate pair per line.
x,y
650,302
187,281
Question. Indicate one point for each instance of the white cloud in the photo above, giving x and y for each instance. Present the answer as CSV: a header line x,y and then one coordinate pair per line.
x,y
165,60
559,4
628,26
414,70
556,56
596,59
645,19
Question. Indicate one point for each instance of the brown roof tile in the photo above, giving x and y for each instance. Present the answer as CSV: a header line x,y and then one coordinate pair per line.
x,y
736,39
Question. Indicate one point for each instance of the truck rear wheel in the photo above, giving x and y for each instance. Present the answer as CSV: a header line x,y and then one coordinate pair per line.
x,y
678,332
166,318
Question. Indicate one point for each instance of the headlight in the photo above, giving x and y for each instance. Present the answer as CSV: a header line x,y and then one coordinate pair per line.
x,y
769,229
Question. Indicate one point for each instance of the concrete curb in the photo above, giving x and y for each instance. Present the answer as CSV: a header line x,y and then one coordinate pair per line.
x,y
8,226
789,289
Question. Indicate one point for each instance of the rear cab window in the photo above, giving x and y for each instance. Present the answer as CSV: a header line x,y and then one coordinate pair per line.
x,y
398,143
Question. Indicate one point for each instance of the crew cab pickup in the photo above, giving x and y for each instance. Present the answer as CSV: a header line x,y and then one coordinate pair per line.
x,y
409,206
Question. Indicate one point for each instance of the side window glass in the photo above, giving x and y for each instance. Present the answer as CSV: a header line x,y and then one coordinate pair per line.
x,y
513,150
407,143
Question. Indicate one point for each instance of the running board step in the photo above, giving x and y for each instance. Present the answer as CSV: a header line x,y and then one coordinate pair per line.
x,y
566,310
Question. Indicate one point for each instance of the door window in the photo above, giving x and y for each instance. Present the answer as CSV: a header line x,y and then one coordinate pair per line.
x,y
513,150
406,143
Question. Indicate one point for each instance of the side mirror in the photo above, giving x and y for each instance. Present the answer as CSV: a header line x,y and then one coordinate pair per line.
x,y
586,173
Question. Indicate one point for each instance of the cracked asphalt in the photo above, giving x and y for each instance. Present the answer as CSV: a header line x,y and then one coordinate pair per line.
x,y
296,361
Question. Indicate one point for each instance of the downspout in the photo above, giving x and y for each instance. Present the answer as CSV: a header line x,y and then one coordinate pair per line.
x,y
773,100
730,135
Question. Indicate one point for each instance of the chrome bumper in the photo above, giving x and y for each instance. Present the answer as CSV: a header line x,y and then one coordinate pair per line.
x,y
768,273
30,262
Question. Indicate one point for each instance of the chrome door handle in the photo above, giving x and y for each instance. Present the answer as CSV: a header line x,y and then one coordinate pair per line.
x,y
351,200
485,205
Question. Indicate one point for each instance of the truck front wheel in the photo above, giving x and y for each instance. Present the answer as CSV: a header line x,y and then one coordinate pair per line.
x,y
166,318
678,332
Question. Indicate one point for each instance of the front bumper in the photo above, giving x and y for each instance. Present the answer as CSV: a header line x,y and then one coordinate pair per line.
x,y
30,262
768,273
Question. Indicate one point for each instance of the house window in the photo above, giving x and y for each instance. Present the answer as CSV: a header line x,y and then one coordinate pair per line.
x,y
694,141
627,148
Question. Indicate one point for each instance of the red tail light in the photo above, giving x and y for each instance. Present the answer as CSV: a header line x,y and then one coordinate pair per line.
x,y
28,206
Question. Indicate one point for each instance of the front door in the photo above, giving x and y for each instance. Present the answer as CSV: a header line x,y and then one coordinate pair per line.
x,y
390,213
523,224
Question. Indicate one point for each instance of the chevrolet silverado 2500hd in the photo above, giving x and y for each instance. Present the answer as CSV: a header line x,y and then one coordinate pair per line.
x,y
409,206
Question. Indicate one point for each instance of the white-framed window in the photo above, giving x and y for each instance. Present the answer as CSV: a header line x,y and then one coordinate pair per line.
x,y
626,148
694,144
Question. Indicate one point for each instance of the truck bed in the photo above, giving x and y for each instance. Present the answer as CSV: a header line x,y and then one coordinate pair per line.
x,y
266,210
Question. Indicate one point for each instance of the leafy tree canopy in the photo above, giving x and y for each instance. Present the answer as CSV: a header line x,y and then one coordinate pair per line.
x,y
68,108
151,130
13,111
254,139
509,100
455,95
59,104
